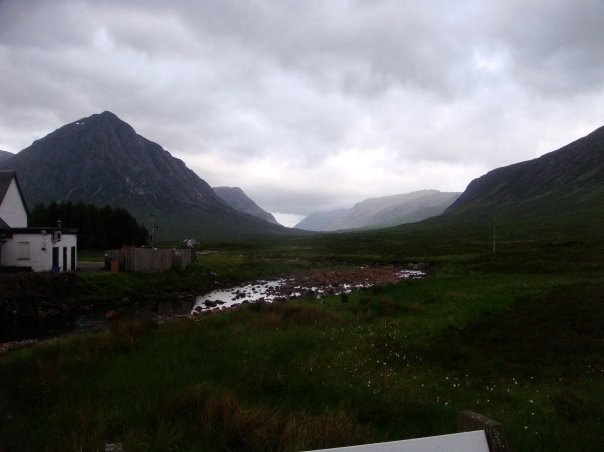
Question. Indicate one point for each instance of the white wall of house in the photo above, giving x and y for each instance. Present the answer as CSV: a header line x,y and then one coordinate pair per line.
x,y
36,250
12,210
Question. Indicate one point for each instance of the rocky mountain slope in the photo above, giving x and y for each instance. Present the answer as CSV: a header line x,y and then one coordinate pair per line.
x,y
238,200
382,212
103,161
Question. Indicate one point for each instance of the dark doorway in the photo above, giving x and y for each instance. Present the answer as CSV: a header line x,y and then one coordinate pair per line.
x,y
73,258
55,259
64,258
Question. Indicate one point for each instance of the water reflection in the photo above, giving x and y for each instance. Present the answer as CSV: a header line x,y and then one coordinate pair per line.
x,y
226,298
281,290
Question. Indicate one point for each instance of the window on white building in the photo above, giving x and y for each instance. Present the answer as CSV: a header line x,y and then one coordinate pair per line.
x,y
23,250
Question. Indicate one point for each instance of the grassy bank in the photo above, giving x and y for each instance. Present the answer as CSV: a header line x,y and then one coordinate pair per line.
x,y
30,293
516,336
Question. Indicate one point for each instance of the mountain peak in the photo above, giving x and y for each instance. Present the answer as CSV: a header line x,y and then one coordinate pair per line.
x,y
101,160
238,200
108,113
106,119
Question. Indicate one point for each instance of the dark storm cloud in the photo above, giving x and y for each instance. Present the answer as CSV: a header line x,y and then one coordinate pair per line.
x,y
324,102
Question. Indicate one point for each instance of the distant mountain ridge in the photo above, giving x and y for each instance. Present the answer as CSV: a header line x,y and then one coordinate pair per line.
x,y
382,212
103,161
238,200
321,221
4,155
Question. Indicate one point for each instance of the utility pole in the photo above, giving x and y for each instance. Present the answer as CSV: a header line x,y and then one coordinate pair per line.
x,y
152,232
494,234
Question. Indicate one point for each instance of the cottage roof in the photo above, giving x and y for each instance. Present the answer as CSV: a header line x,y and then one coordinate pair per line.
x,y
6,178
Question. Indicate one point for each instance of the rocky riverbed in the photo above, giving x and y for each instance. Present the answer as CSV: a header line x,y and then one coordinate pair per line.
x,y
316,283
47,320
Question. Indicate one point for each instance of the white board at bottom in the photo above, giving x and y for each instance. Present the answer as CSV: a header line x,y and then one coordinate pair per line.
x,y
457,442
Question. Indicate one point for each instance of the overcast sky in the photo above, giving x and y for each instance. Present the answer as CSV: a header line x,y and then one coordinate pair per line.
x,y
312,105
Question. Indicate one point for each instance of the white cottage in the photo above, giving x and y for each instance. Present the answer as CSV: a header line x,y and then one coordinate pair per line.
x,y
38,249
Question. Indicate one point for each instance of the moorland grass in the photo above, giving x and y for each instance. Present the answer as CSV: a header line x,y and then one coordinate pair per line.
x,y
515,336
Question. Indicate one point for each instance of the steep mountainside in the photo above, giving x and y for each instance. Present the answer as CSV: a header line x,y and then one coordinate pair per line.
x,y
383,212
101,160
5,155
560,194
238,200
571,176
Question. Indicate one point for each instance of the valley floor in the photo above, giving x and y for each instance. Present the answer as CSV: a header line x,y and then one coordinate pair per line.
x,y
516,341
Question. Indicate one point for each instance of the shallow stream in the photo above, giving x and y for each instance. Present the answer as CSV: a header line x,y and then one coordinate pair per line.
x,y
318,284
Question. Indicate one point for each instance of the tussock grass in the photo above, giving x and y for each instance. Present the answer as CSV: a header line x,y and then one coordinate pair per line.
x,y
286,314
125,332
558,332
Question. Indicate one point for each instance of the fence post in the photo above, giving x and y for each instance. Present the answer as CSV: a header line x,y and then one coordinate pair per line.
x,y
468,421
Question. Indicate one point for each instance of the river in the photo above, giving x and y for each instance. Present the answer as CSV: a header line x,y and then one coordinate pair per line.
x,y
311,283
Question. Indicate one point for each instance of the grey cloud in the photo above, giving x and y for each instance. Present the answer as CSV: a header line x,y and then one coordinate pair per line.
x,y
555,48
354,46
449,84
307,201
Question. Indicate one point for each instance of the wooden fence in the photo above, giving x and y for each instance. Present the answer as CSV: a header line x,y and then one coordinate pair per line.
x,y
148,260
